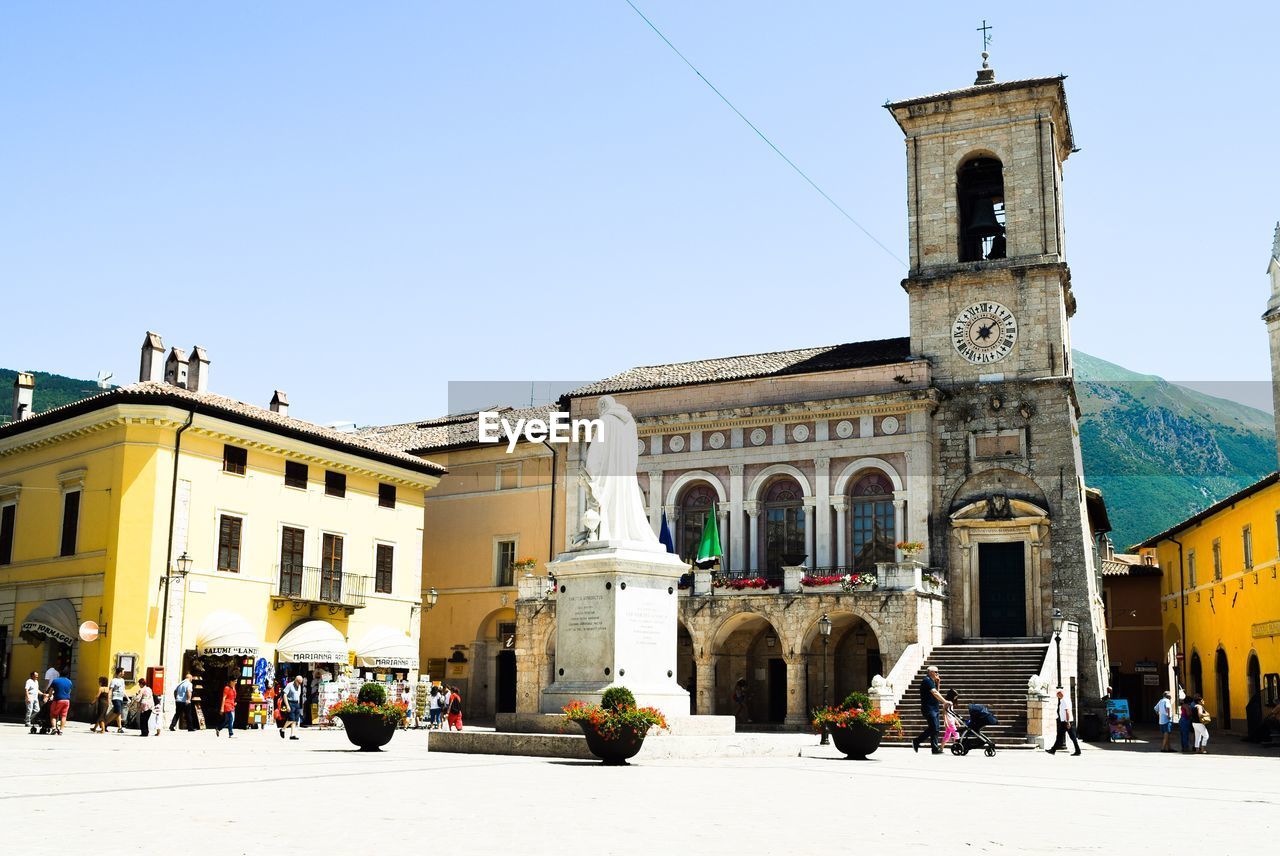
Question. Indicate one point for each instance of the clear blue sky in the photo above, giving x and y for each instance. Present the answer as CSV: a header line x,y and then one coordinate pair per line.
x,y
360,203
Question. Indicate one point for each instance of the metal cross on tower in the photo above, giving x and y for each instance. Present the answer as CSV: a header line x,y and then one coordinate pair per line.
x,y
985,29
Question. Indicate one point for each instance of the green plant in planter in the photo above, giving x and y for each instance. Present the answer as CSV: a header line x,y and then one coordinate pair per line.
x,y
616,698
617,713
374,693
856,710
371,701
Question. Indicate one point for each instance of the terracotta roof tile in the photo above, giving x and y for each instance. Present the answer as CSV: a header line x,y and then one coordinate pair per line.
x,y
456,430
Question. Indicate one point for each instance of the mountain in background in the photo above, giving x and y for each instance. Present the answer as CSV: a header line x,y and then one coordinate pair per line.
x,y
51,391
1158,451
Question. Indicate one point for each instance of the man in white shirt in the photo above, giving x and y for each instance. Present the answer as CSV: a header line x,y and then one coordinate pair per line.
x,y
1164,711
32,687
1066,725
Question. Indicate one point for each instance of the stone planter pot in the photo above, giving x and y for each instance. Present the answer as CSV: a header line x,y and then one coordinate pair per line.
x,y
834,587
613,751
368,731
856,741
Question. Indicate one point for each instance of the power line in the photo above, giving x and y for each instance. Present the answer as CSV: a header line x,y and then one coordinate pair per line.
x,y
762,135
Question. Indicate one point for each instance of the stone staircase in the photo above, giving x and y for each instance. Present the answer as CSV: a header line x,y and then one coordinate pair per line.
x,y
994,674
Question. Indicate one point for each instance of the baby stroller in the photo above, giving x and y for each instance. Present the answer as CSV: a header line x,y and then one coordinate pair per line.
x,y
971,736
42,722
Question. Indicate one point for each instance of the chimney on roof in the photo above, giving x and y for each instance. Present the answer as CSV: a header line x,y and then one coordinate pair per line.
x,y
152,358
24,387
280,403
175,368
198,370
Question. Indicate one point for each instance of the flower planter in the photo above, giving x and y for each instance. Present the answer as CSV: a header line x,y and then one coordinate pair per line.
x,y
833,587
855,741
613,751
369,731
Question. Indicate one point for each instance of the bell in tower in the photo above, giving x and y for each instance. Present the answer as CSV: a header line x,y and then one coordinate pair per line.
x,y
980,196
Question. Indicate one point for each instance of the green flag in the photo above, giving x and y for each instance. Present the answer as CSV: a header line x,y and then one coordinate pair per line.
x,y
709,546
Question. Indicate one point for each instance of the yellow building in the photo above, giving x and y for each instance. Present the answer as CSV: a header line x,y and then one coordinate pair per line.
x,y
201,533
1220,600
489,524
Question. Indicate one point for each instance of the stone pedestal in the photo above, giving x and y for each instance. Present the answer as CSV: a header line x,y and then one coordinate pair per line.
x,y
616,608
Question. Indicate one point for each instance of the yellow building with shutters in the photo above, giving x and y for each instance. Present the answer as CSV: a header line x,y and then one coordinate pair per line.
x,y
201,533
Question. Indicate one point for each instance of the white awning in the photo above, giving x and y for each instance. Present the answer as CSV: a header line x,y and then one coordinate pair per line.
x,y
386,648
312,641
55,619
226,634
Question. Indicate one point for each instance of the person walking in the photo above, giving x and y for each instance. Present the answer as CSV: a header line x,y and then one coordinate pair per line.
x,y
931,702
1066,726
32,689
118,695
291,705
184,710
228,711
1164,710
433,708
455,709
146,702
1186,716
102,704
1200,725
60,692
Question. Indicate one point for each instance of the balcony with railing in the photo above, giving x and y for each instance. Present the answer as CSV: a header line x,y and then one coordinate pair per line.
x,y
313,587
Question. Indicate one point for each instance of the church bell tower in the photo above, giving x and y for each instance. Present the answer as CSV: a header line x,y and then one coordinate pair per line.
x,y
990,300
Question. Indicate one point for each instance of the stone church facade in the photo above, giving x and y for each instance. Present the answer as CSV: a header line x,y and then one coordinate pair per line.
x,y
961,437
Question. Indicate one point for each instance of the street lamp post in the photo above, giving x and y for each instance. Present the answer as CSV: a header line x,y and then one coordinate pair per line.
x,y
824,629
1057,640
183,567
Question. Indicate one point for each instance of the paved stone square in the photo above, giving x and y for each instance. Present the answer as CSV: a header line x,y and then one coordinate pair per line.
x,y
120,793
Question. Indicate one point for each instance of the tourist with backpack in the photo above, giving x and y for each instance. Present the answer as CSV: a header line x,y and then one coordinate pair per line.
x,y
454,714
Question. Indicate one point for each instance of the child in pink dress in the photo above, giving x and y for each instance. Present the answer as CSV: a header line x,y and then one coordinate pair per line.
x,y
952,724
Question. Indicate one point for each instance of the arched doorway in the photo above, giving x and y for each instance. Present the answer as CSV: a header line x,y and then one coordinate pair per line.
x,y
871,521
751,672
1253,696
696,503
1222,680
784,526
846,662
1196,673
491,686
686,671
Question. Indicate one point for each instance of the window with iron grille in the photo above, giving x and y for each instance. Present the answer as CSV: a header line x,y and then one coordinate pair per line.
x,y
1191,568
235,460
1247,537
505,559
387,496
229,543
70,522
295,474
331,568
8,516
1217,559
383,562
335,484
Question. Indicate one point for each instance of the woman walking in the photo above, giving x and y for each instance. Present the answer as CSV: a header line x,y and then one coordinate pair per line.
x,y
145,701
433,707
1200,725
228,711
102,707
454,713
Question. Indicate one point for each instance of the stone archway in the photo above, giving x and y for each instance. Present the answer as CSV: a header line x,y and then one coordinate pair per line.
x,y
750,671
494,677
847,662
686,667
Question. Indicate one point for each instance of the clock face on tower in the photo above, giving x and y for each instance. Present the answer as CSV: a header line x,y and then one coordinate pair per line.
x,y
984,333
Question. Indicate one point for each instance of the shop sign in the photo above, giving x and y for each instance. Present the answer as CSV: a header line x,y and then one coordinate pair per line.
x,y
1151,680
42,629
316,657
1266,628
228,651
1147,666
395,662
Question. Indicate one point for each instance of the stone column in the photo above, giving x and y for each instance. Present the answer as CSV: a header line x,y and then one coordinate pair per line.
x,y
810,532
655,499
797,693
753,511
822,495
737,544
899,520
841,505
705,703
723,522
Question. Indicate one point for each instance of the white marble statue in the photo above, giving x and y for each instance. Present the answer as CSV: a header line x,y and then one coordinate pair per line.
x,y
615,507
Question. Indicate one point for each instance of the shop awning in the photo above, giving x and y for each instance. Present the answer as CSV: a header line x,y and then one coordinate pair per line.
x,y
226,634
387,648
55,619
312,641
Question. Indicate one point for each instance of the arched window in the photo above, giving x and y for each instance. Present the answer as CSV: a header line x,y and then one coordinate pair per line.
x,y
980,197
695,505
784,525
871,522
